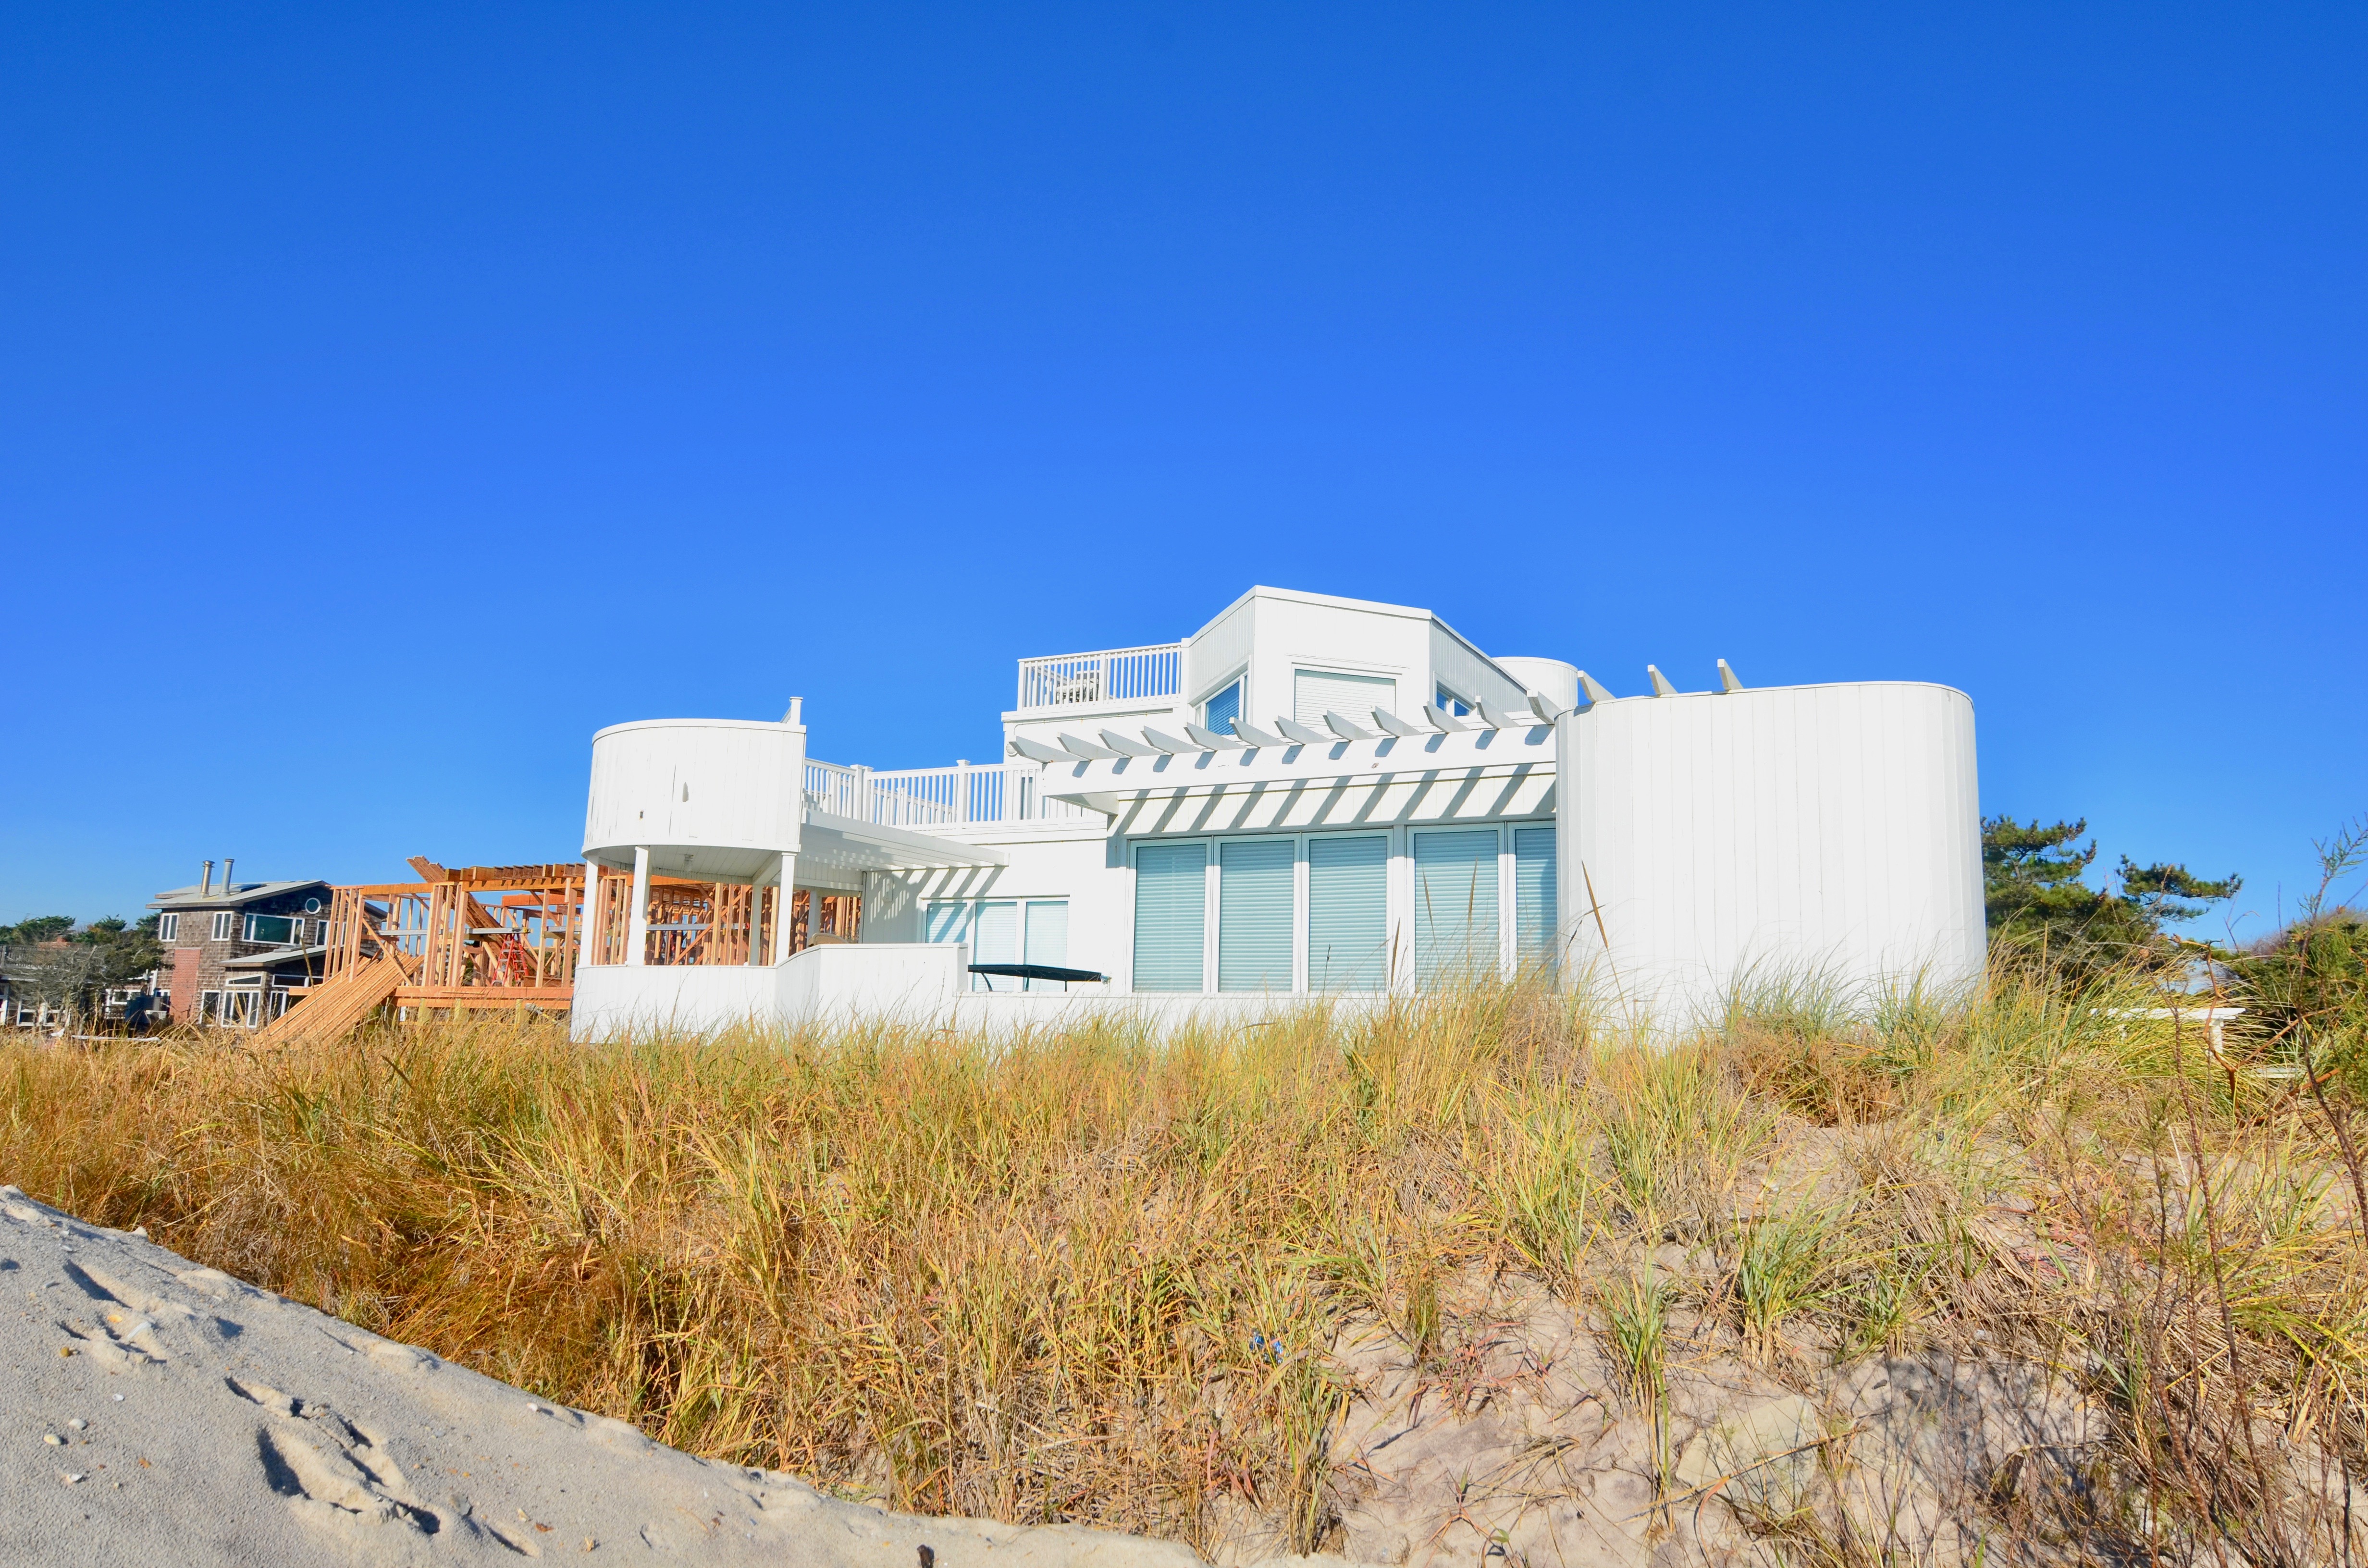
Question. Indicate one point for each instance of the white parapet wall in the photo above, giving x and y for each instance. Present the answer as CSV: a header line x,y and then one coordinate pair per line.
x,y
1716,842
919,984
912,983
614,1000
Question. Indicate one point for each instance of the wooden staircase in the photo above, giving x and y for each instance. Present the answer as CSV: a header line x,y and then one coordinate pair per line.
x,y
342,1005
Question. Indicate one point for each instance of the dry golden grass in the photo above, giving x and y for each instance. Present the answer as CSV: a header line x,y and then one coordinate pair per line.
x,y
1042,1279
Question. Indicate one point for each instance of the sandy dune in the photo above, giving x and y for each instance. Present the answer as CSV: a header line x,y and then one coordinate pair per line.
x,y
160,1413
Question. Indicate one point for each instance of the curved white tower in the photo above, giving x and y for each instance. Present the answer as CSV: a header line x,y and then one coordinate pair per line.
x,y
709,800
1553,680
1714,840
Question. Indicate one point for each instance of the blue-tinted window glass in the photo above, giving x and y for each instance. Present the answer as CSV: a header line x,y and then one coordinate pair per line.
x,y
1220,712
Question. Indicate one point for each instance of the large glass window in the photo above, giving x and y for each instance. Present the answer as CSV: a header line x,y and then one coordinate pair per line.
x,y
1048,938
1347,913
995,938
1315,693
1220,712
1535,909
1005,931
1255,898
1455,924
1171,903
278,928
947,923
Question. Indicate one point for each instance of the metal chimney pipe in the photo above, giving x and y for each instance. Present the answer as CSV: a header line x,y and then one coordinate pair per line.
x,y
206,882
228,886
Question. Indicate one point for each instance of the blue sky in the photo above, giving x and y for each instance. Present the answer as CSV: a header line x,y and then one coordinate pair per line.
x,y
390,398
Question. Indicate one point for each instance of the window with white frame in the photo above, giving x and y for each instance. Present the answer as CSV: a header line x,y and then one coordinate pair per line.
x,y
1315,693
1456,921
225,921
1032,930
1348,911
281,930
1536,912
168,927
1451,704
1223,708
1256,900
1171,926
1314,912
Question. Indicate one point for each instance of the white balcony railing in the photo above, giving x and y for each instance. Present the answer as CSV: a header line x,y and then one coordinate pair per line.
x,y
1112,675
936,797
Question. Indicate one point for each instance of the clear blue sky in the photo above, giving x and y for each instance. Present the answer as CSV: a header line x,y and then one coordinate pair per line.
x,y
389,397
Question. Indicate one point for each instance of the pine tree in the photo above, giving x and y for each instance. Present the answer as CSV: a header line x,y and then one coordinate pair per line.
x,y
2035,897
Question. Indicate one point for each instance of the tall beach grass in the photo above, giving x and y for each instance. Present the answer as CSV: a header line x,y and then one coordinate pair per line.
x,y
1097,1276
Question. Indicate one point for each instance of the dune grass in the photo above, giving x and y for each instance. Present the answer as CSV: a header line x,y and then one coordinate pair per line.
x,y
1096,1275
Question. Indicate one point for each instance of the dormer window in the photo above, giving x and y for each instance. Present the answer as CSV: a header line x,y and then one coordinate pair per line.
x,y
1220,710
1315,693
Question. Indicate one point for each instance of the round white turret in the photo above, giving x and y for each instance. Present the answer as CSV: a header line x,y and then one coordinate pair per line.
x,y
1552,679
715,800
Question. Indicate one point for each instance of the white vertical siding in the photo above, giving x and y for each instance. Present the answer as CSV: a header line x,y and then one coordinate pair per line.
x,y
1783,830
695,783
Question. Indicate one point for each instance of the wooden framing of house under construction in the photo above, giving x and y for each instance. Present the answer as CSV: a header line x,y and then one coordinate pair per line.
x,y
480,937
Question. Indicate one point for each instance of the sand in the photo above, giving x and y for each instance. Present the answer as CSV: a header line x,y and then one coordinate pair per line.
x,y
161,1412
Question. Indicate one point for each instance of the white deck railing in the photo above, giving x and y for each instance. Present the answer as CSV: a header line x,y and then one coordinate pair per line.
x,y
1113,675
936,797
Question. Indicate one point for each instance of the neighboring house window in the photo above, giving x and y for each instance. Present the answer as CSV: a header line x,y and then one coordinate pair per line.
x,y
1220,712
1171,901
168,927
1452,705
1254,908
1315,693
1455,922
1534,912
280,930
225,922
1348,911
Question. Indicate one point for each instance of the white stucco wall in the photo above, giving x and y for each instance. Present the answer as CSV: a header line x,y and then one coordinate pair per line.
x,y
1789,830
904,982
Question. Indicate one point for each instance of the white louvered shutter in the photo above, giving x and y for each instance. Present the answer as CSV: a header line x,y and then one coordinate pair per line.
x,y
1171,903
1254,903
1347,913
1455,924
1534,910
1317,692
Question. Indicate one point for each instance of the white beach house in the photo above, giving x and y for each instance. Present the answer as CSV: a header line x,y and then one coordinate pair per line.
x,y
1308,797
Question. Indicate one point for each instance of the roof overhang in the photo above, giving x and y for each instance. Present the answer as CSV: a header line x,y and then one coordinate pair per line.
x,y
275,958
846,844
